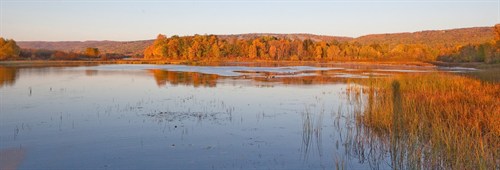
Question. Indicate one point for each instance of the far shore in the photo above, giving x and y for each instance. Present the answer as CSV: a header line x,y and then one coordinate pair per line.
x,y
41,63
185,62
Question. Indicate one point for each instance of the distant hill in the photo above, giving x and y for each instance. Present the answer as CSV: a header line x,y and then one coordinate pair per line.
x,y
462,36
301,37
121,47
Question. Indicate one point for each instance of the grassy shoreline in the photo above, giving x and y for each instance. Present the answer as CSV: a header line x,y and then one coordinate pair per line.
x,y
434,121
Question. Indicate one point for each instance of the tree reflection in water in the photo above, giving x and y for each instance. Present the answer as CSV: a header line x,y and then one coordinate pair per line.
x,y
195,79
8,76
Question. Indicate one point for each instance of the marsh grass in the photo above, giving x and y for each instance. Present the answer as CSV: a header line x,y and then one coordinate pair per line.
x,y
312,132
430,121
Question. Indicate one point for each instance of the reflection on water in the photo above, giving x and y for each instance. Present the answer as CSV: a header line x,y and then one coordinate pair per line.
x,y
91,72
8,76
185,78
205,76
196,79
157,117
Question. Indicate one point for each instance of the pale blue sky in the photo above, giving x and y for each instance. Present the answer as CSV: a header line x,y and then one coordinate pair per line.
x,y
63,20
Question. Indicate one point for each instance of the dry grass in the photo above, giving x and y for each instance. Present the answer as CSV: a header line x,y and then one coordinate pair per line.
x,y
434,120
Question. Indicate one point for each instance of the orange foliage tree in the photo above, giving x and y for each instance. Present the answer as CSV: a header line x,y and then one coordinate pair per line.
x,y
8,49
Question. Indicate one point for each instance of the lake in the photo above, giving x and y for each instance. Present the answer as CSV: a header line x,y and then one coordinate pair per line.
x,y
236,116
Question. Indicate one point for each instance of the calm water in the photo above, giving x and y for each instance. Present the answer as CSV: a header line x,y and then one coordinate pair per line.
x,y
183,117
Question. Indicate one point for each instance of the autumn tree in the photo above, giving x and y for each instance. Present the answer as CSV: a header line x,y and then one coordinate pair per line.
x,y
284,49
173,48
92,52
332,52
158,49
497,32
252,51
318,53
259,48
272,52
366,52
8,49
215,52
60,55
308,49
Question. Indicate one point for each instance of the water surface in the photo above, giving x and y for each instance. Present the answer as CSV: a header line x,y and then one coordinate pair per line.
x,y
185,117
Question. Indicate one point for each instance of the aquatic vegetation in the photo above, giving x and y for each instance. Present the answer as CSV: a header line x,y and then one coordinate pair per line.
x,y
429,121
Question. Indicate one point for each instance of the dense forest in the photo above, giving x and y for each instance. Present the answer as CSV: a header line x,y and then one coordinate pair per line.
x,y
270,48
460,45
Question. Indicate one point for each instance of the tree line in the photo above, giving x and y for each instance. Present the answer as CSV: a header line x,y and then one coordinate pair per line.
x,y
271,48
9,50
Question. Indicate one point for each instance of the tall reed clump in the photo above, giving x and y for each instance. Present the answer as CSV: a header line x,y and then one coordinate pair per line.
x,y
436,120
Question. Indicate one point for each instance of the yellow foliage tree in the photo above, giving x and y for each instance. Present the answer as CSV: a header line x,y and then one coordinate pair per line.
x,y
319,53
272,52
332,52
8,49
252,52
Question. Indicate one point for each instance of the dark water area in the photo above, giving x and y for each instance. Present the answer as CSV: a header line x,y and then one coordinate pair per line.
x,y
186,117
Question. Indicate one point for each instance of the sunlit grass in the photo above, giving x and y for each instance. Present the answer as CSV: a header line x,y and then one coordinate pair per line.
x,y
434,120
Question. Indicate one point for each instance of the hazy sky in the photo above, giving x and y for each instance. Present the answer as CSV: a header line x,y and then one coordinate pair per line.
x,y
62,20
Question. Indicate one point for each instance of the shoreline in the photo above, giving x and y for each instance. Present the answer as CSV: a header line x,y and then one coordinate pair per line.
x,y
229,62
42,63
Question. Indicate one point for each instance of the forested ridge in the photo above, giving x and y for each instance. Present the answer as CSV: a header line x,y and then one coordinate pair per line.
x,y
460,36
